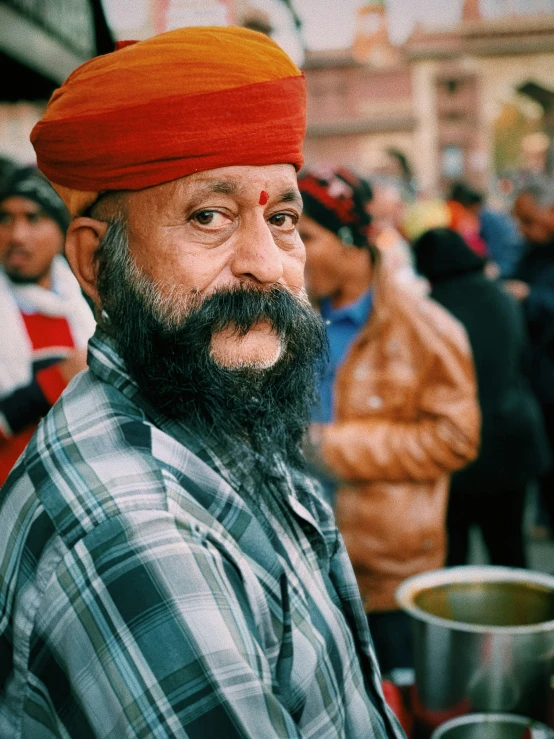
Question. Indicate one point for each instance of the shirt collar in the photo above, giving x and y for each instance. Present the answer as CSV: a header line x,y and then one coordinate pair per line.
x,y
104,361
356,312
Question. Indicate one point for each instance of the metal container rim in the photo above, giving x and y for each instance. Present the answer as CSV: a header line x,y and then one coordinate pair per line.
x,y
475,718
412,586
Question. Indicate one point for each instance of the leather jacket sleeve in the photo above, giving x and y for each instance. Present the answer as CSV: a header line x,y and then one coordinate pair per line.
x,y
443,438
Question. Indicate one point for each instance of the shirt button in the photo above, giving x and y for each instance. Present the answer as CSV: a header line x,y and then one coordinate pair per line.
x,y
375,402
328,322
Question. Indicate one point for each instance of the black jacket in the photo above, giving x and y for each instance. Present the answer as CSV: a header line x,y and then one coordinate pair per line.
x,y
514,447
537,270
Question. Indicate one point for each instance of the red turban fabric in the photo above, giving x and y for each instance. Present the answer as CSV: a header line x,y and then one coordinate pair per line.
x,y
182,102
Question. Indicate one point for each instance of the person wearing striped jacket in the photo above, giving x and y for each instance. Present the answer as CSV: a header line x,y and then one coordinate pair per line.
x,y
46,322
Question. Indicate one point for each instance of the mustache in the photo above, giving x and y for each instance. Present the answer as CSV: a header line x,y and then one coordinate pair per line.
x,y
242,307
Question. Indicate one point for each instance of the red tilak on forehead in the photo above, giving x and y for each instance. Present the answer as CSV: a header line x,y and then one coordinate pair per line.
x,y
264,197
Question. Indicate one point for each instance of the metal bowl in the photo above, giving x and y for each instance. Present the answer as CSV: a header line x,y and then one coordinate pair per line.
x,y
481,599
492,726
484,641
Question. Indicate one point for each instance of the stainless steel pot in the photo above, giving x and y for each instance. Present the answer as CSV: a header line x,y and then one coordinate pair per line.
x,y
492,726
484,641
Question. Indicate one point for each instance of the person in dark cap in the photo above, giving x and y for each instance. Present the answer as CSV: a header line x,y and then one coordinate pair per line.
x,y
45,322
398,410
514,448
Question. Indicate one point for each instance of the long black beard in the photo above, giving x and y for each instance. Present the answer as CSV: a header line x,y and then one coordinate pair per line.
x,y
269,409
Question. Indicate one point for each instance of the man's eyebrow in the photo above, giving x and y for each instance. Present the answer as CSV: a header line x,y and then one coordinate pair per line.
x,y
291,196
223,187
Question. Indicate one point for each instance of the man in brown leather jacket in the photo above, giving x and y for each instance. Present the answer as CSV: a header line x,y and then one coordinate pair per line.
x,y
399,406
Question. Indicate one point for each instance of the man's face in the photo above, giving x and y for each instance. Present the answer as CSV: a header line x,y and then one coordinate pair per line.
x,y
528,214
324,259
221,229
201,289
29,241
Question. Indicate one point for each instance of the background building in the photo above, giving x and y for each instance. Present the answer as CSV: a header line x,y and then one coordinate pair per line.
x,y
473,101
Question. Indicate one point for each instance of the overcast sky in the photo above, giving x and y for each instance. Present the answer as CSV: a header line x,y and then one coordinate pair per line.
x,y
330,23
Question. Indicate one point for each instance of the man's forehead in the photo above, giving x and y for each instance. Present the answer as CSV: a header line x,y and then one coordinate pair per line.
x,y
244,183
278,181
233,179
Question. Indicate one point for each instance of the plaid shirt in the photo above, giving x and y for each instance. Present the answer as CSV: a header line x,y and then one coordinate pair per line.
x,y
154,586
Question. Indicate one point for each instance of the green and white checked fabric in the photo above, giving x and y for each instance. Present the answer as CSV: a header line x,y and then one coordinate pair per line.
x,y
154,586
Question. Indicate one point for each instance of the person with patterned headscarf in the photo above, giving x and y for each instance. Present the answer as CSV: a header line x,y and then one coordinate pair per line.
x,y
398,410
167,568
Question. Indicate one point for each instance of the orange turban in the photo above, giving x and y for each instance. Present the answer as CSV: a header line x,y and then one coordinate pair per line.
x,y
182,102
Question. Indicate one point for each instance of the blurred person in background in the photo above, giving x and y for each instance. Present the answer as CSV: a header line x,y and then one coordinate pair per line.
x,y
45,323
161,547
491,491
387,209
398,411
423,213
465,221
498,229
533,286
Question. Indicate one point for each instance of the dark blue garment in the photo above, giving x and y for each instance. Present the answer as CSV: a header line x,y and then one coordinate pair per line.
x,y
504,242
537,270
343,326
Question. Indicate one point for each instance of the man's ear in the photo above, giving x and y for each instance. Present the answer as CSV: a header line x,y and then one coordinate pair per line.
x,y
81,242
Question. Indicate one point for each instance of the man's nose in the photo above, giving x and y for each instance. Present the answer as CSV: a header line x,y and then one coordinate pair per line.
x,y
19,231
257,257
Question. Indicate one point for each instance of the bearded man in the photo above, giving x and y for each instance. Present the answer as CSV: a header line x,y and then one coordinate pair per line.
x,y
166,568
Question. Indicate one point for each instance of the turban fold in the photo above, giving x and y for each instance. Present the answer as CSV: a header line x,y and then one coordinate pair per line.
x,y
185,101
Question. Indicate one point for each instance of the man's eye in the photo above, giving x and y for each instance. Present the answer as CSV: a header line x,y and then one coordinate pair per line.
x,y
5,219
33,217
284,220
210,218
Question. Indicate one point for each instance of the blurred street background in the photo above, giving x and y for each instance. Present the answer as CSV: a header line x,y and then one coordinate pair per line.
x,y
422,92
539,545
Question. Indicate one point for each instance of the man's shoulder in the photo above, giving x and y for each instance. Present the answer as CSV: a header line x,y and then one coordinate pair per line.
x,y
97,456
90,458
430,325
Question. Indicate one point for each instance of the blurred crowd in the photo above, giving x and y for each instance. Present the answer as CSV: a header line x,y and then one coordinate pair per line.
x,y
436,408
